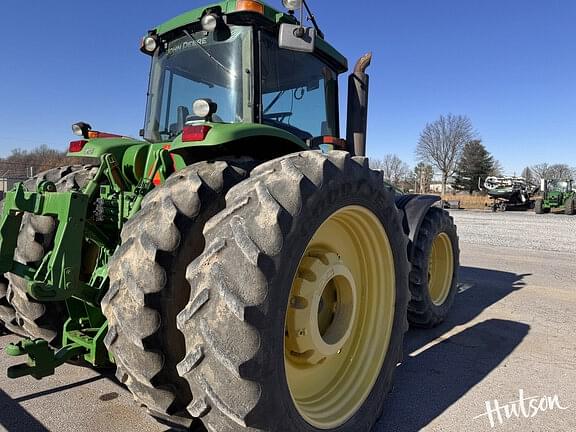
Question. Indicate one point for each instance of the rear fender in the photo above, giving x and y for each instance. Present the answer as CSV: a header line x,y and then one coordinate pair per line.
x,y
259,141
414,209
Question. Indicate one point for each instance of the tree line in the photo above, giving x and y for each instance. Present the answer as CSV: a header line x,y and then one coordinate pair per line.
x,y
451,148
21,164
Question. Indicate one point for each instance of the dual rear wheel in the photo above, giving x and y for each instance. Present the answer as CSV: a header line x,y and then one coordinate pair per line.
x,y
292,295
289,289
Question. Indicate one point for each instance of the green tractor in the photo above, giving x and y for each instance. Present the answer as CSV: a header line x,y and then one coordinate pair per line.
x,y
242,266
556,194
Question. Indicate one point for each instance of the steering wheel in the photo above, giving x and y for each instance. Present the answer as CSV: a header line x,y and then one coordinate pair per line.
x,y
280,117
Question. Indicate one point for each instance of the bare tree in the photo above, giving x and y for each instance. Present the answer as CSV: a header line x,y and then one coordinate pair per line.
x,y
394,169
561,171
497,169
422,177
22,163
541,170
376,164
528,174
442,141
554,171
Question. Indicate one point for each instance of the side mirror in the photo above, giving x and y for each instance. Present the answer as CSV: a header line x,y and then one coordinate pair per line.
x,y
297,38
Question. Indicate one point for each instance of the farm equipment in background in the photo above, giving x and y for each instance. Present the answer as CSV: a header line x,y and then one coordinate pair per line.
x,y
509,193
241,266
557,194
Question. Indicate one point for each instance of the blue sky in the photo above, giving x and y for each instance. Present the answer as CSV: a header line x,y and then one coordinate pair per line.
x,y
509,65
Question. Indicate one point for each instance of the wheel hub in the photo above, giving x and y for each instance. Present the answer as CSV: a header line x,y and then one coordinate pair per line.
x,y
322,309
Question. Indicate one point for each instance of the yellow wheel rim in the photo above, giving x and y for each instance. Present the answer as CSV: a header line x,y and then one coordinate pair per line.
x,y
440,269
339,317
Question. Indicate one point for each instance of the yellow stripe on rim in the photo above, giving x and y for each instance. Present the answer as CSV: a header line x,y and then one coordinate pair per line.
x,y
339,317
440,269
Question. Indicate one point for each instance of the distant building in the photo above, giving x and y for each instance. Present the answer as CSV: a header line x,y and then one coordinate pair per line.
x,y
436,187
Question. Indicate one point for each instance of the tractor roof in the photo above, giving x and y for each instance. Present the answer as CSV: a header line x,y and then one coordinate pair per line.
x,y
270,14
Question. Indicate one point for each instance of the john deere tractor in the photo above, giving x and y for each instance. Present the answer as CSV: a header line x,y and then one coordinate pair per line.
x,y
557,194
242,266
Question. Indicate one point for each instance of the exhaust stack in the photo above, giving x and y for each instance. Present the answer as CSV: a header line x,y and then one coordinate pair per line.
x,y
358,84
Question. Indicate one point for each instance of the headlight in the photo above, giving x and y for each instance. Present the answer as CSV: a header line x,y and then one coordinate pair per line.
x,y
149,44
209,22
81,129
204,108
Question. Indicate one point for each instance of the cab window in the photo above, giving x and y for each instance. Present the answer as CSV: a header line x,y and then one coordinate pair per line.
x,y
299,92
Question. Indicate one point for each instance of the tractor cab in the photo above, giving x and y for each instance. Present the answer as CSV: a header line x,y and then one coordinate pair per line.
x,y
556,190
560,186
225,66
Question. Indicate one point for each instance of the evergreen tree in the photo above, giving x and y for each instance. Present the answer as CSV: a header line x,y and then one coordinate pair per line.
x,y
474,166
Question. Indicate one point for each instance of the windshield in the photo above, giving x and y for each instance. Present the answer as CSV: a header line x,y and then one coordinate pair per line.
x,y
558,186
196,66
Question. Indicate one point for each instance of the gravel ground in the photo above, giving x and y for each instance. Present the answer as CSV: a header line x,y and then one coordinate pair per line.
x,y
512,329
521,230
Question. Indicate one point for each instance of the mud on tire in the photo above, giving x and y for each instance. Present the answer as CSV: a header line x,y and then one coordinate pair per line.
x,y
148,285
234,321
422,311
35,319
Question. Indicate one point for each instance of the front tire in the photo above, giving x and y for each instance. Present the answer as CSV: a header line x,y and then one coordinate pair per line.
x,y
539,207
434,256
259,341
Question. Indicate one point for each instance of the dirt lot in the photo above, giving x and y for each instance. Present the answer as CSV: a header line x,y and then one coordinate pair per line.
x,y
512,331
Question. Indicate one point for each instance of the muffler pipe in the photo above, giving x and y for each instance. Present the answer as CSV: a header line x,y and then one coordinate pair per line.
x,y
358,85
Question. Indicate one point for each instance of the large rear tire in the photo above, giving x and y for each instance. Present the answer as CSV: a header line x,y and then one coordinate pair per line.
x,y
570,208
435,259
36,319
300,294
148,285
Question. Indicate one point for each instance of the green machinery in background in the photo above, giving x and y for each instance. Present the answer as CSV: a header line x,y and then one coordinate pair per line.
x,y
241,266
557,194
